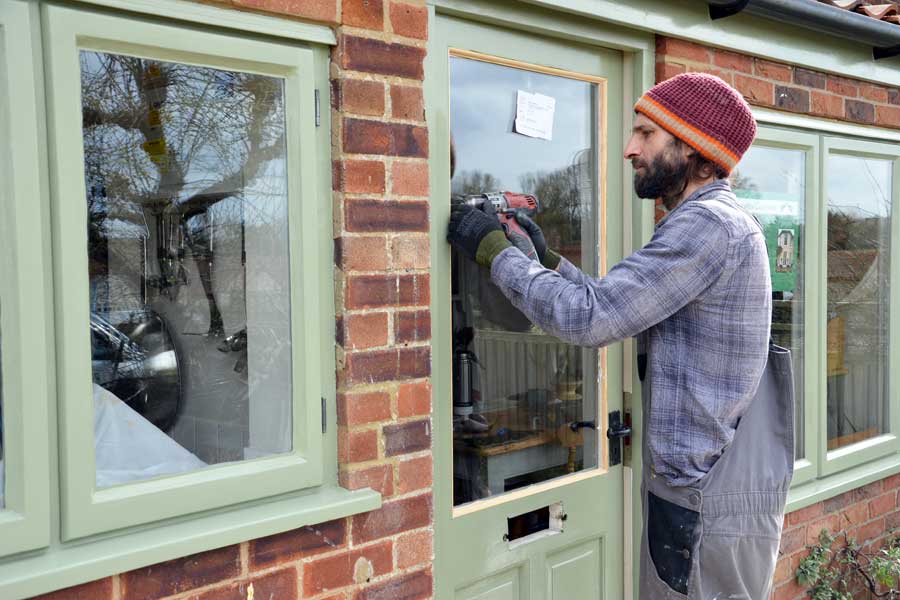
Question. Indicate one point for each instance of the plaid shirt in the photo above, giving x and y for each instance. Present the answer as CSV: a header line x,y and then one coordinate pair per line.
x,y
699,295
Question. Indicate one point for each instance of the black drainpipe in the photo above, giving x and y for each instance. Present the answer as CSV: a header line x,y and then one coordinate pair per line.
x,y
884,37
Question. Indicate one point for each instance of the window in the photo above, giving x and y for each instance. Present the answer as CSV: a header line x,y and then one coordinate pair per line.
x,y
165,300
830,238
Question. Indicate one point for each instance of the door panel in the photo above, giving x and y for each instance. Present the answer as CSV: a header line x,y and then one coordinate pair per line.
x,y
575,573
526,506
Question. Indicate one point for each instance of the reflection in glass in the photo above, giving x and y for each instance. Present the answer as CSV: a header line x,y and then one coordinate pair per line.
x,y
770,183
184,169
859,230
519,394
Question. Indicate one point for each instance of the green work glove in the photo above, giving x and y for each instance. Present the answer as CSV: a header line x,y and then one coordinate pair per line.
x,y
476,234
548,258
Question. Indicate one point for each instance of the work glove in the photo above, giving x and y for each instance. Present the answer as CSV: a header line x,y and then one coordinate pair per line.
x,y
547,257
476,234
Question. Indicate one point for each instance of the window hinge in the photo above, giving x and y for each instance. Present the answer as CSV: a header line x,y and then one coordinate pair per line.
x,y
324,416
318,110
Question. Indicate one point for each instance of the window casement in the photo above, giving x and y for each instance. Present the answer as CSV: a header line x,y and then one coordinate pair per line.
x,y
825,199
167,291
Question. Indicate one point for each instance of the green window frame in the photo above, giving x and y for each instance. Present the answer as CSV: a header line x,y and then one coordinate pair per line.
x,y
57,529
821,473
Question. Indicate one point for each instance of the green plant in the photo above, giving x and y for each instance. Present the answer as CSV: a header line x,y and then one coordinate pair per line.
x,y
838,563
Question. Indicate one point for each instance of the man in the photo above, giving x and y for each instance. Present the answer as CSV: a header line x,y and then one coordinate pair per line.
x,y
698,296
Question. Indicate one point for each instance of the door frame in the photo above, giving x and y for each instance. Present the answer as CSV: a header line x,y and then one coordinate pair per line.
x,y
638,51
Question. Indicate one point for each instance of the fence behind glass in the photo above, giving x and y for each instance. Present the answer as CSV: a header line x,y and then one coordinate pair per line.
x,y
859,192
526,405
187,252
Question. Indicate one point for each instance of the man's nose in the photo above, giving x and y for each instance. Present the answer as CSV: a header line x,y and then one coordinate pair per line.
x,y
632,149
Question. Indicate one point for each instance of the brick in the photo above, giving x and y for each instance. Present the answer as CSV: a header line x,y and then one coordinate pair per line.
x,y
871,530
385,215
805,514
314,10
722,74
411,252
380,478
413,586
667,46
362,97
894,95
414,399
783,570
379,291
389,139
361,253
892,520
367,14
887,116
278,584
809,78
404,438
883,504
790,591
831,522
407,102
891,482
362,177
363,407
772,70
181,575
409,20
733,61
857,110
101,589
409,178
387,365
339,571
792,98
755,90
793,540
394,516
855,514
842,86
375,56
875,93
414,474
357,446
867,492
414,548
667,70
827,105
837,503
412,326
365,330
299,543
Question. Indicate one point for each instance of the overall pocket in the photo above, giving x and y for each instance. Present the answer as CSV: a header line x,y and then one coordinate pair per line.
x,y
671,538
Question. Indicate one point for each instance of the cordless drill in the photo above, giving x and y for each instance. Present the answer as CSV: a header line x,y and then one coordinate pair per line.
x,y
505,206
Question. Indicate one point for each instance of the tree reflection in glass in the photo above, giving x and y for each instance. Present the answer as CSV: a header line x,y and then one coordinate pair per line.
x,y
517,391
184,169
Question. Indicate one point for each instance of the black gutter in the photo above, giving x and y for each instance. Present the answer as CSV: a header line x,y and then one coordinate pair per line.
x,y
884,37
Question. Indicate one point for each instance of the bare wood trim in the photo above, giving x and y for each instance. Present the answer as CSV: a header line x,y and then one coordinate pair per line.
x,y
538,488
518,64
603,417
852,438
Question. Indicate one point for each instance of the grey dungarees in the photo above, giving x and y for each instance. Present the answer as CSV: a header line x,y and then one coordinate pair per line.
x,y
718,539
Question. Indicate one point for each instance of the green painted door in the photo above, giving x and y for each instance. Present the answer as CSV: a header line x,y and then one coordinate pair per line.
x,y
529,495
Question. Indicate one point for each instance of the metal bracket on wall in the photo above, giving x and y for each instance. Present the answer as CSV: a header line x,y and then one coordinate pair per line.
x,y
324,416
616,433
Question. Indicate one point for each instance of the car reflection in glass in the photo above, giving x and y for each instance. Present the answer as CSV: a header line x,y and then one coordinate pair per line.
x,y
138,362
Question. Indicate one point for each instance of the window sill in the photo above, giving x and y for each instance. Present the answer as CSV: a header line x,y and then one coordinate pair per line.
x,y
821,489
64,565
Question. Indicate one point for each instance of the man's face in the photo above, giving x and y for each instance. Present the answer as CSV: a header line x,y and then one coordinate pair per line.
x,y
659,163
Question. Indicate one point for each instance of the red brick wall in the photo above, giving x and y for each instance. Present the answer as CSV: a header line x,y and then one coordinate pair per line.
x,y
870,512
380,183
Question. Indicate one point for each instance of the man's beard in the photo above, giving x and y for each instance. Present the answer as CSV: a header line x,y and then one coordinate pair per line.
x,y
663,178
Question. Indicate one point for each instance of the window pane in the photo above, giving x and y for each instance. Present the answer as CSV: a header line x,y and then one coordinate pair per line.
x,y
770,183
859,230
517,390
189,282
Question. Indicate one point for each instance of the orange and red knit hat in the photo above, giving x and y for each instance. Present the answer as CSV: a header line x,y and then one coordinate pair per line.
x,y
704,112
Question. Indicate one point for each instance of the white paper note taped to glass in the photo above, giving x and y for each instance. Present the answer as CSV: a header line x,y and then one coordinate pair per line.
x,y
534,115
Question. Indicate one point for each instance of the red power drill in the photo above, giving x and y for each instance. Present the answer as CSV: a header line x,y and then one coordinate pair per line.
x,y
505,205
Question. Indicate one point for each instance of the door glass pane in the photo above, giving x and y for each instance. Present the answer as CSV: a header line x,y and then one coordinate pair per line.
x,y
770,183
519,394
859,246
188,264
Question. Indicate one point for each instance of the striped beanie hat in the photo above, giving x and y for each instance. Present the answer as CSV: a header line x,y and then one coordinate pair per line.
x,y
705,113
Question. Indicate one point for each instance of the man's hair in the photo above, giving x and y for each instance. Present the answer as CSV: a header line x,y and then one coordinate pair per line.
x,y
699,167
